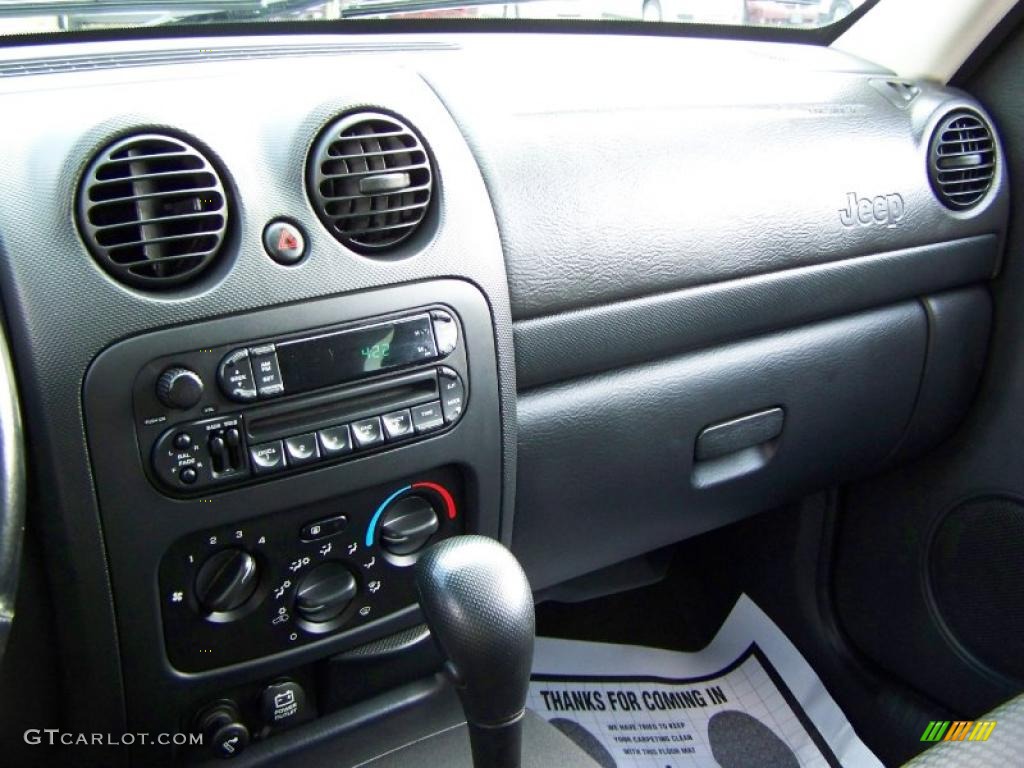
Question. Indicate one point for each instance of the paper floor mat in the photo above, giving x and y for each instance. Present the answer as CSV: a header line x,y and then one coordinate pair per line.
x,y
748,699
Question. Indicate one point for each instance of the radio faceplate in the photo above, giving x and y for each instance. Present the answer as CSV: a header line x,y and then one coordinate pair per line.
x,y
323,396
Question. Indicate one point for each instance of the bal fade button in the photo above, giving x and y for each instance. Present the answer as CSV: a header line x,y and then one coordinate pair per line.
x,y
284,242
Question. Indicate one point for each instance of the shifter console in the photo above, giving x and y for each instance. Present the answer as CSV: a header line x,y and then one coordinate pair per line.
x,y
256,588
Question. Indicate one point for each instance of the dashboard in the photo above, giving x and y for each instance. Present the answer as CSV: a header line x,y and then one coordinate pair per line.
x,y
286,309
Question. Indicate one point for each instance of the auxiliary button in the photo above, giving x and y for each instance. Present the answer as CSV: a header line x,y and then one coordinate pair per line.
x,y
266,370
321,529
367,432
334,441
235,377
268,457
453,394
427,417
301,449
397,424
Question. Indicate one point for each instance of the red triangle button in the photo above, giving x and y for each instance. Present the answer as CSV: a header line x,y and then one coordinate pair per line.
x,y
287,240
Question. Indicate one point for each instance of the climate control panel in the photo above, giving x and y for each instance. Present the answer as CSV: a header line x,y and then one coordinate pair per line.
x,y
252,589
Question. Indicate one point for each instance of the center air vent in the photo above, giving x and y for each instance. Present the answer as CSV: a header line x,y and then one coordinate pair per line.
x,y
962,160
152,210
370,181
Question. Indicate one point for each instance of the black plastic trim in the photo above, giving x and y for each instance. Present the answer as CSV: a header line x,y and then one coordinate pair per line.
x,y
558,347
825,35
624,439
140,523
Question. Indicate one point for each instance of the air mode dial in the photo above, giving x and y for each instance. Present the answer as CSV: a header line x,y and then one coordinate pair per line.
x,y
325,592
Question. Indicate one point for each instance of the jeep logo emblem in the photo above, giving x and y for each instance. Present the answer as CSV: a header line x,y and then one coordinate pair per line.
x,y
886,210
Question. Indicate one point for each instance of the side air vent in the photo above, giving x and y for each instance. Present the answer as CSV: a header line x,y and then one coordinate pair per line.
x,y
370,181
962,160
153,210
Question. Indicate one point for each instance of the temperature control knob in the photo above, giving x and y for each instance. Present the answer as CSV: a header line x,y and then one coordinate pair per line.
x,y
226,580
325,592
408,525
179,388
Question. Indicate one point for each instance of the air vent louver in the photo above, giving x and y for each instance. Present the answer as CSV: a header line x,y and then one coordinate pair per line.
x,y
370,181
962,160
152,210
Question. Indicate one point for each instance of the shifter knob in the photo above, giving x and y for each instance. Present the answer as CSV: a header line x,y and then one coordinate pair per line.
x,y
479,607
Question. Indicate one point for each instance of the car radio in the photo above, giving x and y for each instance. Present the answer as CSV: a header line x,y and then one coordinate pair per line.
x,y
219,417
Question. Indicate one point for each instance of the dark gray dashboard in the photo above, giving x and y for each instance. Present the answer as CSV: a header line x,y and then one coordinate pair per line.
x,y
646,236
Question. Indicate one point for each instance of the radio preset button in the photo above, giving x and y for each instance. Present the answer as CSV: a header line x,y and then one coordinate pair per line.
x,y
397,424
268,457
301,449
235,377
446,332
367,432
427,417
334,441
266,370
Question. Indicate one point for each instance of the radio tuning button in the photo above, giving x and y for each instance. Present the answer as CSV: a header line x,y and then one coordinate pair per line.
x,y
179,388
235,377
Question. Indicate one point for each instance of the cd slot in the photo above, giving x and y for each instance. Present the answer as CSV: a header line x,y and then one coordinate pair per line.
x,y
331,408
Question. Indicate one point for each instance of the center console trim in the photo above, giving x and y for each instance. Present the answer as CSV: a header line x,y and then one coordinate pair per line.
x,y
140,523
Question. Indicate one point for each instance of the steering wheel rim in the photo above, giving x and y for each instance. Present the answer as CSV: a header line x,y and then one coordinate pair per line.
x,y
12,492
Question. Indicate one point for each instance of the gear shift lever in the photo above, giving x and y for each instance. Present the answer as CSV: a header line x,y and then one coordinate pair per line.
x,y
479,607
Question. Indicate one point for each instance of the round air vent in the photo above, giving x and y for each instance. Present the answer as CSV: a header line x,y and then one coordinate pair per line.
x,y
962,160
153,210
370,181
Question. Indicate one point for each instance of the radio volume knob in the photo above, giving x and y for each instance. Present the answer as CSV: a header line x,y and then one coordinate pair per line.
x,y
179,388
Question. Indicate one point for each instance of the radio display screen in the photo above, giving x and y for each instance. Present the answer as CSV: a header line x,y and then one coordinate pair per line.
x,y
334,358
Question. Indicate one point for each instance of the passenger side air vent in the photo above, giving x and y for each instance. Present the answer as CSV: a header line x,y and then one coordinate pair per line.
x,y
153,210
370,181
962,160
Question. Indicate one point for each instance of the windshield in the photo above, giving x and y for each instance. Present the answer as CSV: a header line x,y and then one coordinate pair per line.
x,y
41,16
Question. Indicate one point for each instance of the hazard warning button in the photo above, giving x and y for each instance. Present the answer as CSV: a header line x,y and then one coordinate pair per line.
x,y
284,242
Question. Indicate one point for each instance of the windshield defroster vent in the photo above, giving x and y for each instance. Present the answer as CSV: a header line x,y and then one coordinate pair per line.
x,y
962,160
370,181
153,210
